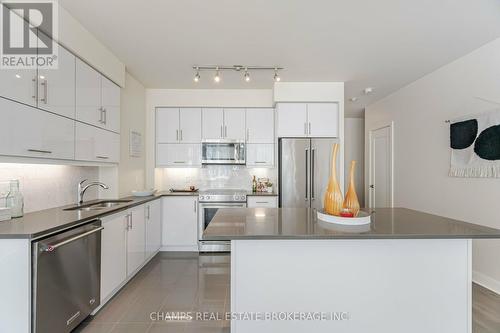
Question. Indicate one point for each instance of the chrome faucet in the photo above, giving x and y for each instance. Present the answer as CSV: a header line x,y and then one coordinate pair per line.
x,y
82,189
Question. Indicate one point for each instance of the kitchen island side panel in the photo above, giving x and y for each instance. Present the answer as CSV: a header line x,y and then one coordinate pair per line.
x,y
378,286
15,285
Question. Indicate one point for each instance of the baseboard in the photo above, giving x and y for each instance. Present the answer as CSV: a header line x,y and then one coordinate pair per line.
x,y
486,281
182,248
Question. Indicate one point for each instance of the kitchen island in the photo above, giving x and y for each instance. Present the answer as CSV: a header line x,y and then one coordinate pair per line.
x,y
407,271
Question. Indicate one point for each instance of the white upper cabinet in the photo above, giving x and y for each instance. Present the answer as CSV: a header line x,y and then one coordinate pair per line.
x,y
167,125
174,125
308,119
56,87
110,105
95,144
260,155
97,98
323,119
19,85
88,95
292,119
30,132
190,125
234,124
212,123
260,125
220,123
178,155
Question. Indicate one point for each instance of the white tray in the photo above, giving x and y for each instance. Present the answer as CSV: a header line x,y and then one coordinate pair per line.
x,y
363,218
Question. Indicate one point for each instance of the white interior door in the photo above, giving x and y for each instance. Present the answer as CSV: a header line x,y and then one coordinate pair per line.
x,y
381,173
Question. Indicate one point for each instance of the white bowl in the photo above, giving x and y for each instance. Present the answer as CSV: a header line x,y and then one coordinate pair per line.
x,y
143,193
362,218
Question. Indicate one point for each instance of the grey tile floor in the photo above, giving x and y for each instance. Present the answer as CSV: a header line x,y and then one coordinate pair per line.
x,y
185,282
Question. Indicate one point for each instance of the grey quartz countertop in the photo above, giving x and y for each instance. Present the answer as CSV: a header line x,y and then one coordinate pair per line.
x,y
38,224
301,223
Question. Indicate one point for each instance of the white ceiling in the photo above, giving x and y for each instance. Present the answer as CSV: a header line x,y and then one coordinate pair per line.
x,y
383,44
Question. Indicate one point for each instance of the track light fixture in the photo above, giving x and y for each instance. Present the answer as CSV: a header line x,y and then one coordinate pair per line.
x,y
237,68
217,75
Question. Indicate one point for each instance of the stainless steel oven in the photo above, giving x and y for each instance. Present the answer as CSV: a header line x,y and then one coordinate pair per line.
x,y
223,152
66,278
210,202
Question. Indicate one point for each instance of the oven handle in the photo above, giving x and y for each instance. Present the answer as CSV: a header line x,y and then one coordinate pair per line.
x,y
221,205
52,247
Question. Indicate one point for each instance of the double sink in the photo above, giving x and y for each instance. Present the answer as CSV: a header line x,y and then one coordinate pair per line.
x,y
101,204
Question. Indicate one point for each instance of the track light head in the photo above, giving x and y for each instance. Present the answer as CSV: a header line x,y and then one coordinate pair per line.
x,y
247,75
197,76
276,76
217,75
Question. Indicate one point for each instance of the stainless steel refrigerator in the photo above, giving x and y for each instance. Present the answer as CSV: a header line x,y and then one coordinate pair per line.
x,y
304,169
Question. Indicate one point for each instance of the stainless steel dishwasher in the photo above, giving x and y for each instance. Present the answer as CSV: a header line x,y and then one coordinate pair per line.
x,y
66,278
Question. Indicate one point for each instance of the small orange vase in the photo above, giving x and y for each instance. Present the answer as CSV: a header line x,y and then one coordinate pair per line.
x,y
351,201
333,196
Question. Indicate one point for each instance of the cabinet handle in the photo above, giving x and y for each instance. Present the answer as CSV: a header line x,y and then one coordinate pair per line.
x,y
181,135
40,151
221,132
131,221
35,88
305,128
312,172
105,116
45,85
102,157
248,134
260,162
101,115
149,212
176,135
225,131
262,202
179,162
195,209
309,128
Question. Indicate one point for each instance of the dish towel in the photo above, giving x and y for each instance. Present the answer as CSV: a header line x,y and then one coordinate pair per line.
x,y
475,146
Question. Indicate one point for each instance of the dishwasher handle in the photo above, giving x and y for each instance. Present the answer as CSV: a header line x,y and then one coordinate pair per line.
x,y
52,247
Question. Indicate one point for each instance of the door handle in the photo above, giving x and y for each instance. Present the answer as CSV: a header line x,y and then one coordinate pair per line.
x,y
309,128
176,135
101,115
52,247
307,167
181,135
225,131
221,133
312,173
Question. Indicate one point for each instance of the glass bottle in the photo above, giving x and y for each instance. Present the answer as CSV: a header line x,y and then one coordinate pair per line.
x,y
15,200
254,185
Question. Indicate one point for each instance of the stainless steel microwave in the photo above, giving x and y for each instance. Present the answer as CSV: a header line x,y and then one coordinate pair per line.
x,y
223,152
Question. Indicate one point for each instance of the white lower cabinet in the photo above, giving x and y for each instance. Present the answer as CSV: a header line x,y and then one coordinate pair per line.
x,y
262,201
180,223
136,239
95,144
113,253
178,155
260,155
153,227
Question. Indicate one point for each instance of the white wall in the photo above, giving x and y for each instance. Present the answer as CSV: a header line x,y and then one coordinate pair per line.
x,y
194,98
46,186
354,138
422,154
131,170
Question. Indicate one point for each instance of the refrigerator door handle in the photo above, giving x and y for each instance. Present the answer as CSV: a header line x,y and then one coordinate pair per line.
x,y
312,173
307,173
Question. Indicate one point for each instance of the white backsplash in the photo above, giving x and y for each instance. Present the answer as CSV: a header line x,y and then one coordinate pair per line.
x,y
47,186
215,176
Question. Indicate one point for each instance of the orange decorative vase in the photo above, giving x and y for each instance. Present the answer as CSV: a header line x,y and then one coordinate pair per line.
x,y
351,201
333,195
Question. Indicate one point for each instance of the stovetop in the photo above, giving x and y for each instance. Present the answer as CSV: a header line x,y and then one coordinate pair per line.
x,y
223,195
